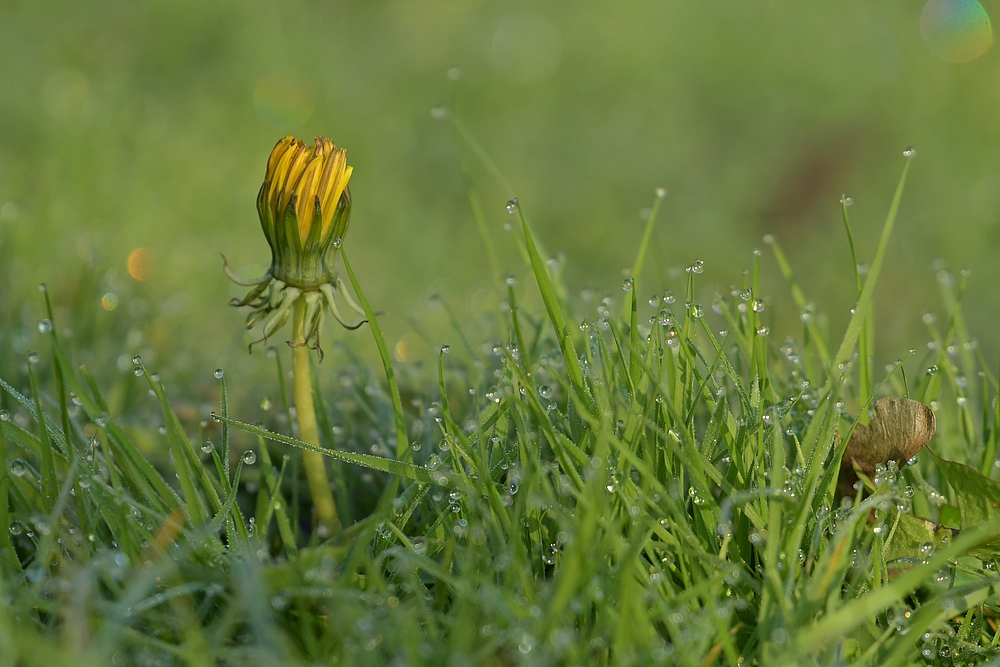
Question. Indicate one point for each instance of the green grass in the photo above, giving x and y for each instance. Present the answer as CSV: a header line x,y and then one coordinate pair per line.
x,y
649,486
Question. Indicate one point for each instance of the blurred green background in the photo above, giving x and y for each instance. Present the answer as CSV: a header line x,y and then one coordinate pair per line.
x,y
147,125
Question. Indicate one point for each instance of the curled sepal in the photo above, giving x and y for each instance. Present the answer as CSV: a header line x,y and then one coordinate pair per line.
x,y
331,303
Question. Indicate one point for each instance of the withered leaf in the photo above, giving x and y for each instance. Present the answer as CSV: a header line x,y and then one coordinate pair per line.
x,y
899,429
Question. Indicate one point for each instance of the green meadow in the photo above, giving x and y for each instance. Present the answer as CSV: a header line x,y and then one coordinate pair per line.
x,y
676,335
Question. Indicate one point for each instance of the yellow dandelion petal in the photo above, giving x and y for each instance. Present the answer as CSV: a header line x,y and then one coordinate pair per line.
x,y
305,191
279,151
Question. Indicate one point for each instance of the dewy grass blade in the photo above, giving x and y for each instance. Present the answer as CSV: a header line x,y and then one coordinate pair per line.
x,y
402,442
50,487
858,611
9,563
867,338
640,256
392,466
865,299
554,310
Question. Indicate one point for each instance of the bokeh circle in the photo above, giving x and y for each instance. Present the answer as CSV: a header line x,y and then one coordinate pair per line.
x,y
956,30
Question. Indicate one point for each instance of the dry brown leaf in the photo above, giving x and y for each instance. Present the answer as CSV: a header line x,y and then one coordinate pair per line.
x,y
899,429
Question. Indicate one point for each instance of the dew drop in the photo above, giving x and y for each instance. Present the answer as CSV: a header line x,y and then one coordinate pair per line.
x,y
440,112
763,331
219,373
512,206
846,200
249,457
445,349
545,391
215,417
661,193
910,153
697,266
628,284
33,357
758,305
45,326
138,371
206,447
337,242
510,281
17,468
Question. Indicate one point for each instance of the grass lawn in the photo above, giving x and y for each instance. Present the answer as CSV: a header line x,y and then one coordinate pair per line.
x,y
629,480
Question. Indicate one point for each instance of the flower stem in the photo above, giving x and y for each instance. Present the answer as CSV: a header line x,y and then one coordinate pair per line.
x,y
327,520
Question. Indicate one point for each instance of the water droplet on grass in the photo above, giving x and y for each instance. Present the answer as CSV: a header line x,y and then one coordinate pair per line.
x,y
45,326
17,468
219,373
846,200
512,206
249,457
628,284
697,266
440,112
138,371
33,358
910,153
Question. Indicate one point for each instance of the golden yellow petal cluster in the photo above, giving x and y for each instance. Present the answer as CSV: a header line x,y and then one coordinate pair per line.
x,y
314,177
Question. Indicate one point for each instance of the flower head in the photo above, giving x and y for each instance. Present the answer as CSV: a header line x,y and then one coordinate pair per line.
x,y
304,206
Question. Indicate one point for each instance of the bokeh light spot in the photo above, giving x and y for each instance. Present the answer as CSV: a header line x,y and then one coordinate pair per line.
x,y
138,264
283,102
956,30
109,301
411,348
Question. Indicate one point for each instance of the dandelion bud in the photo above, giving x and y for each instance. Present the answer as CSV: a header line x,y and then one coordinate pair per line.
x,y
304,206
